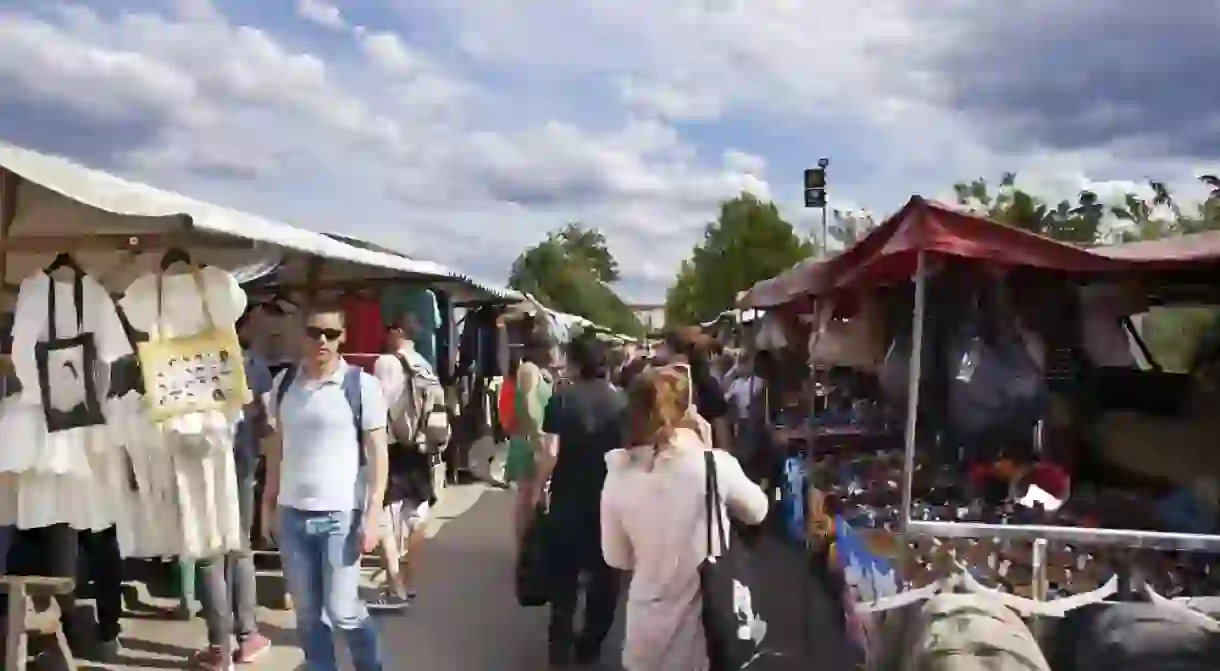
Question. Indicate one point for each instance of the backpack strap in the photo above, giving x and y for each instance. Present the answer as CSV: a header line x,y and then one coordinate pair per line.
x,y
290,373
355,399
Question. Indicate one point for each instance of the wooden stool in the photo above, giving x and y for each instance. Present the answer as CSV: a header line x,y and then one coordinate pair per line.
x,y
20,589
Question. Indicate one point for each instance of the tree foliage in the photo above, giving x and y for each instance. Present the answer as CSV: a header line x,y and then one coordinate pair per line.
x,y
747,243
571,271
1171,333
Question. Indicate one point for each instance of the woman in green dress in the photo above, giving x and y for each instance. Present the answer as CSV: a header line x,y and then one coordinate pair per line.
x,y
534,384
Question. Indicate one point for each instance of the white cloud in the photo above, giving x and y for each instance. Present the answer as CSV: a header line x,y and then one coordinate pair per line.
x,y
321,13
388,52
670,100
631,116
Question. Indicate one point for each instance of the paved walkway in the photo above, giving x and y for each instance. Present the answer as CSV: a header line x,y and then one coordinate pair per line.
x,y
466,617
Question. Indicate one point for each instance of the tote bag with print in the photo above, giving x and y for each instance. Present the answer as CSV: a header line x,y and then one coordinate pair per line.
x,y
194,373
733,629
66,368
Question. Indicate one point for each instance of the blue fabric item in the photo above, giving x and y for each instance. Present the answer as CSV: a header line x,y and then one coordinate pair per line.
x,y
397,301
871,577
246,438
1182,513
792,501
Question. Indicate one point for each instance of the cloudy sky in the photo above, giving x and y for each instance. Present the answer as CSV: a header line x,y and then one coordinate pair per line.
x,y
461,130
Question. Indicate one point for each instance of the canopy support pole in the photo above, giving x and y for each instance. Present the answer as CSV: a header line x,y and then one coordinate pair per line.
x,y
915,371
313,278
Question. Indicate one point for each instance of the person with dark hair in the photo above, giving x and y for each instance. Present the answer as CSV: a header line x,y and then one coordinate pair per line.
x,y
326,479
409,491
534,384
582,423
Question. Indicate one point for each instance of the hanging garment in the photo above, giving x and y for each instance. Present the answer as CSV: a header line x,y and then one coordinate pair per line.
x,y
59,477
196,448
29,445
364,325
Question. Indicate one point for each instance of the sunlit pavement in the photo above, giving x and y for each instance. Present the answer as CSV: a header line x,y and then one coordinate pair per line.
x,y
466,617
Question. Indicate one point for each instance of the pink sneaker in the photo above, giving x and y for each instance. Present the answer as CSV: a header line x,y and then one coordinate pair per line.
x,y
251,648
212,659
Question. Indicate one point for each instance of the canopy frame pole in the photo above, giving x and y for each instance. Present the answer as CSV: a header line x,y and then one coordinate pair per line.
x,y
9,181
915,373
313,278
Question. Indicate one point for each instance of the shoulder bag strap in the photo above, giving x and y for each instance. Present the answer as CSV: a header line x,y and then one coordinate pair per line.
x,y
78,296
51,308
712,503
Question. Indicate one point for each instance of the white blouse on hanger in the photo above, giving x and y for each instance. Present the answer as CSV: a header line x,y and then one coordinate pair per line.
x,y
27,446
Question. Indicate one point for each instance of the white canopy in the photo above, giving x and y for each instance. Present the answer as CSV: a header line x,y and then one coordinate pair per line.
x,y
117,230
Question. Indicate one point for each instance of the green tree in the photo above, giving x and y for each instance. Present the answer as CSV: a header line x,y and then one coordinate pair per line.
x,y
567,271
589,244
749,242
1079,223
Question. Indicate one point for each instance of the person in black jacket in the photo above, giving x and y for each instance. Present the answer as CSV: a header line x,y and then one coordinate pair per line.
x,y
583,421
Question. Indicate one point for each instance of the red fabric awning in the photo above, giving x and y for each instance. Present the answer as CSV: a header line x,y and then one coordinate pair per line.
x,y
1183,250
888,254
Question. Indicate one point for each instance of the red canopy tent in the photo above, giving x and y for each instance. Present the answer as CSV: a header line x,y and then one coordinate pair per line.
x,y
899,249
889,253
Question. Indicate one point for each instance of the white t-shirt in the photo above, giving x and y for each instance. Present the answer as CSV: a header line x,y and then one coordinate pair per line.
x,y
320,467
390,375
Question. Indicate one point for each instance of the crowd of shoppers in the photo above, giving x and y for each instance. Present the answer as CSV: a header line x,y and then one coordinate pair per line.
x,y
621,469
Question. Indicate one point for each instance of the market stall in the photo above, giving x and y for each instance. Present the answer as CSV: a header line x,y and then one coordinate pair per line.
x,y
124,373
1023,473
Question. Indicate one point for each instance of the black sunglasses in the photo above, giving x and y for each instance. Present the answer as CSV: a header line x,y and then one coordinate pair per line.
x,y
317,332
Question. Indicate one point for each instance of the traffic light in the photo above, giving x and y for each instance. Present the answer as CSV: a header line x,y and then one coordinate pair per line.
x,y
815,178
815,197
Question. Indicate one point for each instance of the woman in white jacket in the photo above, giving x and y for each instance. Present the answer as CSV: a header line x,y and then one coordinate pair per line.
x,y
654,521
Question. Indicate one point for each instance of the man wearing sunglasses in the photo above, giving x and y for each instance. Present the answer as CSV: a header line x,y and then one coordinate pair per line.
x,y
326,478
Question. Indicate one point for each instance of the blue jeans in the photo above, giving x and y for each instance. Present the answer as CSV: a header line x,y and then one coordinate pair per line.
x,y
322,567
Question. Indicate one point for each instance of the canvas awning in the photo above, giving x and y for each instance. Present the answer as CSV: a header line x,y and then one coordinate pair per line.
x,y
889,252
118,229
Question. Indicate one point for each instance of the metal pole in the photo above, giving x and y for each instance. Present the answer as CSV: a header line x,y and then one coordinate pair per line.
x,y
915,370
825,240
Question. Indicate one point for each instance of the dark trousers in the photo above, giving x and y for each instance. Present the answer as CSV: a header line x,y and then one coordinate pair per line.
x,y
56,551
601,588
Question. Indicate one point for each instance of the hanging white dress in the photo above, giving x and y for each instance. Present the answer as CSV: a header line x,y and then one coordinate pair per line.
x,y
198,447
54,473
149,517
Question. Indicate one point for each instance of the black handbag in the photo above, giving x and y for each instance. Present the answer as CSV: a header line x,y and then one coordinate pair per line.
x,y
66,368
729,623
532,576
